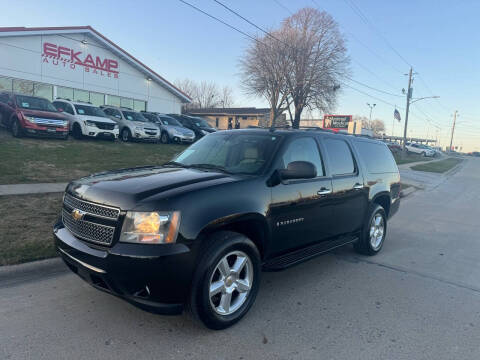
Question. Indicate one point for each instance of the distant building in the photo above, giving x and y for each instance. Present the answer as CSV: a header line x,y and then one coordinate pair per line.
x,y
247,116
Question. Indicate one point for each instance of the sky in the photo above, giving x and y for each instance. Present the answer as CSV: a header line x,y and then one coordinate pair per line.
x,y
439,38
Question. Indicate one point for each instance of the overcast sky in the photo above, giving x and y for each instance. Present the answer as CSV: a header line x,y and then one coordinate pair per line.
x,y
439,38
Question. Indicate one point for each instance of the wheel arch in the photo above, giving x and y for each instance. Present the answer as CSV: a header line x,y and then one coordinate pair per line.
x,y
384,200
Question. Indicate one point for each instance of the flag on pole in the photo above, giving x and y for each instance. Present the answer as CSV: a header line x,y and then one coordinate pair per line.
x,y
396,115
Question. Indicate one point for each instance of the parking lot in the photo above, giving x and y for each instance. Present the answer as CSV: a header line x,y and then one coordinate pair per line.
x,y
418,299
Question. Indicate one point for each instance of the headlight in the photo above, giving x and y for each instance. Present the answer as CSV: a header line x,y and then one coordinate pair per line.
x,y
138,128
150,227
116,127
89,123
30,119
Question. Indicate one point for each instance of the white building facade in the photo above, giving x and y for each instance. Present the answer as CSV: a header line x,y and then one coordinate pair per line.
x,y
80,64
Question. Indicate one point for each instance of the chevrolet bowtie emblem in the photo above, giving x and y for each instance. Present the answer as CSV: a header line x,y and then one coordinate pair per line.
x,y
77,214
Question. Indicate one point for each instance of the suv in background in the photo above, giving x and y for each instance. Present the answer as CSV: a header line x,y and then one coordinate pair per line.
x,y
87,119
419,149
132,124
170,128
198,125
31,115
199,229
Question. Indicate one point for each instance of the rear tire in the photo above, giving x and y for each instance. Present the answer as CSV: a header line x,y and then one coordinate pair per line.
x,y
126,135
374,232
77,132
17,130
226,281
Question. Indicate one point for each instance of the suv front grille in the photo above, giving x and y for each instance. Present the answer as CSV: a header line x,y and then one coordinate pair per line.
x,y
105,126
97,225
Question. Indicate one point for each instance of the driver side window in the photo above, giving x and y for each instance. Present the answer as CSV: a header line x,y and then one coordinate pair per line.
x,y
303,149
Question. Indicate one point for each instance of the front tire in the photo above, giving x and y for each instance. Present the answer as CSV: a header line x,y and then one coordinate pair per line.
x,y
164,139
17,130
227,280
373,233
126,135
77,132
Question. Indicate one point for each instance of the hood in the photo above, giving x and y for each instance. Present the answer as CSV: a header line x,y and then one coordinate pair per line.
x,y
180,129
44,114
126,188
96,118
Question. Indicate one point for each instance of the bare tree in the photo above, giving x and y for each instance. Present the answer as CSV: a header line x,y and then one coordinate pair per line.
x,y
188,86
205,94
376,125
317,58
226,97
262,70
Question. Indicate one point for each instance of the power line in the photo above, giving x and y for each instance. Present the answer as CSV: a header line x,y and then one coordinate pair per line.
x,y
372,88
283,6
372,96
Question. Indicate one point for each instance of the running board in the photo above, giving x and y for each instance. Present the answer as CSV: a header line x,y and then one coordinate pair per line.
x,y
304,254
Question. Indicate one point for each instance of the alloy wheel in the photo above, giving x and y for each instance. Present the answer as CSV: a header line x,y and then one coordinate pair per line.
x,y
125,135
230,283
377,231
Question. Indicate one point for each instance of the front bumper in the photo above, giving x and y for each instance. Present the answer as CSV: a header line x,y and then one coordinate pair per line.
x,y
146,135
45,131
94,131
155,278
182,138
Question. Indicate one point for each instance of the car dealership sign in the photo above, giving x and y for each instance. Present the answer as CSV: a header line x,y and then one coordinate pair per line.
x,y
69,58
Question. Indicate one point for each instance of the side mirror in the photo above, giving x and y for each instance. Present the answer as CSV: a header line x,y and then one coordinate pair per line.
x,y
298,170
60,110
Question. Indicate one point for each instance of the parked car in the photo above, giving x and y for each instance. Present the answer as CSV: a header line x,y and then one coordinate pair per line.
x,y
170,128
419,149
198,125
393,146
199,229
87,120
31,115
132,124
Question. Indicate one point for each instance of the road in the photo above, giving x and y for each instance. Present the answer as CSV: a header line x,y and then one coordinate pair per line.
x,y
418,299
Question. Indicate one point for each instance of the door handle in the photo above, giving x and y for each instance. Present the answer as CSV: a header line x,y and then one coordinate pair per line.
x,y
324,191
358,186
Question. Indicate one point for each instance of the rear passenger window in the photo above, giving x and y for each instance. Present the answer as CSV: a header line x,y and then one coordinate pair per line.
x,y
339,157
303,149
377,157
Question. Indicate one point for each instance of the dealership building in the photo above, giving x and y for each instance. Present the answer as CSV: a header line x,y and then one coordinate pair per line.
x,y
80,64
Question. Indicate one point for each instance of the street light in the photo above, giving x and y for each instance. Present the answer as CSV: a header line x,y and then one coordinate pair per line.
x,y
422,98
371,109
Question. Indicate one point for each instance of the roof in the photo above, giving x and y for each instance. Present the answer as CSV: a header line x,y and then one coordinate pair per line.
x,y
25,31
230,111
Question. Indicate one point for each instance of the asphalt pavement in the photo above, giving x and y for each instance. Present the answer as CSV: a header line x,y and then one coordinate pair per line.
x,y
418,299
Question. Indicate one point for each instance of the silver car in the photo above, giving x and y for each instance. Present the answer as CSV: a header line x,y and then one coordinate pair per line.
x,y
171,129
132,124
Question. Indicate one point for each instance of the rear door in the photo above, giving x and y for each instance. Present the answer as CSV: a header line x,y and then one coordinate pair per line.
x,y
301,209
350,196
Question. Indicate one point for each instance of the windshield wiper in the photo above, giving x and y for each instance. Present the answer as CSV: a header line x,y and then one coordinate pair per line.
x,y
210,166
174,163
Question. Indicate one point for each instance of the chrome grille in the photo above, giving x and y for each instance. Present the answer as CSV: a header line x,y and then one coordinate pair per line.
x,y
89,231
91,208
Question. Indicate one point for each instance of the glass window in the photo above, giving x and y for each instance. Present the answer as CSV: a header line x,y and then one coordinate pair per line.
x,y
113,100
339,156
134,116
43,90
377,157
23,87
113,112
34,103
89,110
139,105
6,84
64,92
81,95
167,120
303,149
125,102
97,99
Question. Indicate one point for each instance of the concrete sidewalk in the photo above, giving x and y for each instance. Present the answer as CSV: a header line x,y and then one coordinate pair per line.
x,y
22,189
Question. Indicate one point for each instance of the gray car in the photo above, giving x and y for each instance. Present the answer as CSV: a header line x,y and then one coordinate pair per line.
x,y
171,130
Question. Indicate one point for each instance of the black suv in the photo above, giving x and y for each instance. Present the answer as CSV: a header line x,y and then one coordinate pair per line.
x,y
199,229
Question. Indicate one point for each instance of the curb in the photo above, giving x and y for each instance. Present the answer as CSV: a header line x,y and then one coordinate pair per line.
x,y
15,274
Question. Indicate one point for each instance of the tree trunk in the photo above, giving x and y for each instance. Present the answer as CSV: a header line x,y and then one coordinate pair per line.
x,y
296,120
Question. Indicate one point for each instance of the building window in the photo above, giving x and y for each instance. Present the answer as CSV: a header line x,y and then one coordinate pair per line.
x,y
216,122
81,95
125,102
64,93
113,100
43,90
244,118
139,105
6,84
97,99
23,87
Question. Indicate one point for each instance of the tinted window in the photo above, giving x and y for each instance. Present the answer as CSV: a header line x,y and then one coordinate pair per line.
x,y
89,110
133,116
167,120
377,157
34,103
303,149
339,157
112,112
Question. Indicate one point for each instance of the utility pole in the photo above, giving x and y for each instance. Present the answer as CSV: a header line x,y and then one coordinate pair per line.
x,y
453,129
409,96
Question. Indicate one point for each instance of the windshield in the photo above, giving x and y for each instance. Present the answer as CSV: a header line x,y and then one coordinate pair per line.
x,y
151,117
134,116
34,103
199,122
233,153
89,110
167,120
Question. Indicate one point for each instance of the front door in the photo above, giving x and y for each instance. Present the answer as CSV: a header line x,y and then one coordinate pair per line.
x,y
301,209
350,196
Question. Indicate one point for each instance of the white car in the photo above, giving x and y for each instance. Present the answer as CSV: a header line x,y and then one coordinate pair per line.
x,y
87,120
419,149
133,125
